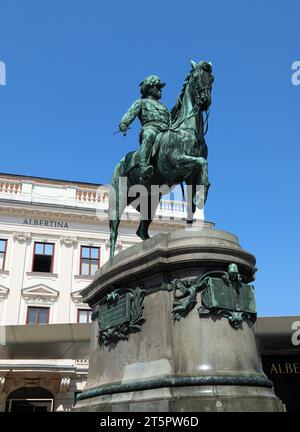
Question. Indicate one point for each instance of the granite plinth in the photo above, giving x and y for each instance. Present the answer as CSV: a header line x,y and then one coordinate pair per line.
x,y
200,363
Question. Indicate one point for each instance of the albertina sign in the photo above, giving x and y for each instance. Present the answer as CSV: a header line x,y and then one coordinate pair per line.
x,y
46,223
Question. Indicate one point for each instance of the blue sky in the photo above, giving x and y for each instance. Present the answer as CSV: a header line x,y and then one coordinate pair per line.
x,y
73,68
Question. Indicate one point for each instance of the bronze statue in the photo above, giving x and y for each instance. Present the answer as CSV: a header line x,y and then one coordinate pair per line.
x,y
154,118
173,149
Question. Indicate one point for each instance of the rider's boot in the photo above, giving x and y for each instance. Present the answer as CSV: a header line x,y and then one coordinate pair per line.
x,y
146,172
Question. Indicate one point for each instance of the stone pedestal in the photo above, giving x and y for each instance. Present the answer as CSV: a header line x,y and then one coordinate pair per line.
x,y
196,363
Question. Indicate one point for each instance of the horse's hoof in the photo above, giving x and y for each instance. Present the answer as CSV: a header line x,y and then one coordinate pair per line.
x,y
142,235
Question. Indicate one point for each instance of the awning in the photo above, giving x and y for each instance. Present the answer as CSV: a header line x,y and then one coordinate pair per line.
x,y
274,335
72,341
51,341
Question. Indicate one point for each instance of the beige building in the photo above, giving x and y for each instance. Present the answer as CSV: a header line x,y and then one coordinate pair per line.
x,y
53,238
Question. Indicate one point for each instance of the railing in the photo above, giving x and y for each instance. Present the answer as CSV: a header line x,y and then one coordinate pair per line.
x,y
82,197
91,196
11,187
172,206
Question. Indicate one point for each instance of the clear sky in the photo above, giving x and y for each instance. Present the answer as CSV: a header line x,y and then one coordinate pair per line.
x,y
73,69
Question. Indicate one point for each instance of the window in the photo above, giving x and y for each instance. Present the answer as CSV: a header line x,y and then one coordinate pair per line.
x,y
30,399
3,244
89,260
84,316
37,315
43,257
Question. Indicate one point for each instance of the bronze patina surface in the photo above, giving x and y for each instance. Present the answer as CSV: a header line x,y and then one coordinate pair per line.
x,y
172,149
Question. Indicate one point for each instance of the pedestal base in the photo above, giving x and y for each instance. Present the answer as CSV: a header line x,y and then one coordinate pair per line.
x,y
186,399
197,363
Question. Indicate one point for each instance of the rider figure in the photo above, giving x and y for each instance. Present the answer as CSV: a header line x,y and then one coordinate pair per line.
x,y
154,117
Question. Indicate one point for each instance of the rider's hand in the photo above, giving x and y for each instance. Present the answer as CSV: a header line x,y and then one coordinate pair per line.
x,y
123,128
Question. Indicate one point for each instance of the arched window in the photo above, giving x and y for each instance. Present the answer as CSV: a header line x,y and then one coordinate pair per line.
x,y
30,399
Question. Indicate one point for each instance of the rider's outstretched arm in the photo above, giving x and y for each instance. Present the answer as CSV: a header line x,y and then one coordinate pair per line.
x,y
130,115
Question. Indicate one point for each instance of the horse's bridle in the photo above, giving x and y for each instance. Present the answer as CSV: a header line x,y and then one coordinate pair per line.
x,y
195,110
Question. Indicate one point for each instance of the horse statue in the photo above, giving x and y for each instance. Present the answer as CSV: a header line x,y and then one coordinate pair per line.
x,y
179,155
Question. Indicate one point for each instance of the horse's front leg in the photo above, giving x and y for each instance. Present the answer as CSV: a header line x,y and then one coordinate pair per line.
x,y
200,184
196,169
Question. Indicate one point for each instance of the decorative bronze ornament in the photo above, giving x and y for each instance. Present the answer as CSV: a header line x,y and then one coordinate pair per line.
x,y
120,313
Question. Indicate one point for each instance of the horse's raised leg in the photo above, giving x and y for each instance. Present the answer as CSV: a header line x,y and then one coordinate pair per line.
x,y
195,171
202,186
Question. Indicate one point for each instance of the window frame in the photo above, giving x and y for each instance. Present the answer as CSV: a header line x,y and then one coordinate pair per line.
x,y
4,257
53,253
89,311
37,307
90,259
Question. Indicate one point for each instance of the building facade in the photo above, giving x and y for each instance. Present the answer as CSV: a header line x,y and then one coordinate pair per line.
x,y
54,237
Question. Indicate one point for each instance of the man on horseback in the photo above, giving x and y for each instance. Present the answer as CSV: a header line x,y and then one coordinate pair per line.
x,y
181,156
154,118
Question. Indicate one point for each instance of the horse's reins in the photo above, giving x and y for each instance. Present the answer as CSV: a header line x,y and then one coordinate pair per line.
x,y
194,111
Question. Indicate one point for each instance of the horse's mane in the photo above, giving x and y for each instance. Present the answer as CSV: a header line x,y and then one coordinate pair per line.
x,y
176,108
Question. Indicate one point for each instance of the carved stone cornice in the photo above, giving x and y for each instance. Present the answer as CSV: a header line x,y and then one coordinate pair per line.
x,y
77,299
22,236
69,241
40,294
64,384
39,300
100,217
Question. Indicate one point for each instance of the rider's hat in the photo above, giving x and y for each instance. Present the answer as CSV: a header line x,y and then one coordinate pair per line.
x,y
151,81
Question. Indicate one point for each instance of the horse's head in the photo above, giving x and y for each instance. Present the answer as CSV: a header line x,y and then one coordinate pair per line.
x,y
201,81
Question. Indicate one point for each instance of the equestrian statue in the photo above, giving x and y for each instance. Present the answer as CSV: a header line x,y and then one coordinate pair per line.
x,y
172,149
